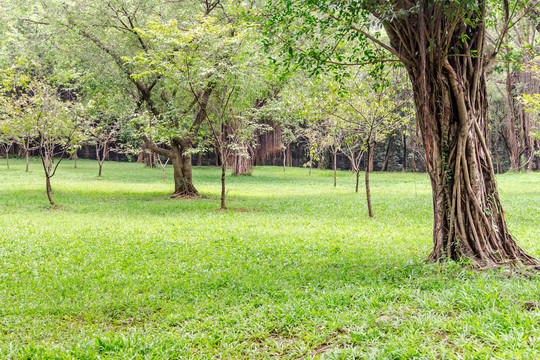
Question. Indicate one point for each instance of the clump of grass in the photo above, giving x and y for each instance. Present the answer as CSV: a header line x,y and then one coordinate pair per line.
x,y
123,271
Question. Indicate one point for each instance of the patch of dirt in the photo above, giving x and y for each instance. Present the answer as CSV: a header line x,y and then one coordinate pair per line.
x,y
531,306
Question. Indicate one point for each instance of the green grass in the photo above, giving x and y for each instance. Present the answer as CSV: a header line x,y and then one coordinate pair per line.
x,y
123,272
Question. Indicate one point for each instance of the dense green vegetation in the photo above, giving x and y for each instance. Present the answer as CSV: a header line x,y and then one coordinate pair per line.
x,y
123,271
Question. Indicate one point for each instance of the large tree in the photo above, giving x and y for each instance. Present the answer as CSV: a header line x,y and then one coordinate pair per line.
x,y
442,44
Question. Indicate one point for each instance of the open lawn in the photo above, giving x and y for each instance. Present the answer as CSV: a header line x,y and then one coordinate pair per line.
x,y
123,272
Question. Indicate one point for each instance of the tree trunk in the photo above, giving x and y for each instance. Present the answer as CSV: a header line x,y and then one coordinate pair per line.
x,y
494,146
199,159
369,155
404,137
242,164
512,137
99,160
223,173
357,179
181,163
7,158
334,165
389,152
48,188
26,155
450,94
289,156
284,159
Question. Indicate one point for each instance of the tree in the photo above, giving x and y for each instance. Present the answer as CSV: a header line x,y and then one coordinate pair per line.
x,y
233,131
107,41
6,143
364,111
55,123
443,47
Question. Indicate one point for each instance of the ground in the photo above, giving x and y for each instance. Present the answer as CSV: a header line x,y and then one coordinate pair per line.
x,y
122,271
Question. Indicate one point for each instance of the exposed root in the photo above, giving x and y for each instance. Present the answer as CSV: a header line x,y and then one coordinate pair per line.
x,y
184,195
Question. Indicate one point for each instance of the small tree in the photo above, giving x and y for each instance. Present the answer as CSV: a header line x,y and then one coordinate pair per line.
x,y
6,143
102,133
55,123
233,132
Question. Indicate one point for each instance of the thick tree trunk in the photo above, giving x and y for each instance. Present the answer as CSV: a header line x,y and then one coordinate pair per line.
x,y
450,94
181,163
242,165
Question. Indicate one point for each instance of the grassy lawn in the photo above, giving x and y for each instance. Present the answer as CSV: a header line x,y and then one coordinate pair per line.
x,y
123,272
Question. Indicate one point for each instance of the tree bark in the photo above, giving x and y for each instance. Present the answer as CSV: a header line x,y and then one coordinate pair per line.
x,y
450,94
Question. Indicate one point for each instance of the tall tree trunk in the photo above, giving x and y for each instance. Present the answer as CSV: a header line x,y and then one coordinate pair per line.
x,y
450,94
7,158
284,159
512,137
199,159
27,159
